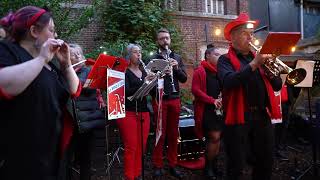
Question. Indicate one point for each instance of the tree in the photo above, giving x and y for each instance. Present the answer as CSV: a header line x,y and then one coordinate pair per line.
x,y
135,21
68,19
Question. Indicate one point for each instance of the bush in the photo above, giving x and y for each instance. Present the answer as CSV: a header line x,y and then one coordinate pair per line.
x,y
134,21
186,97
66,26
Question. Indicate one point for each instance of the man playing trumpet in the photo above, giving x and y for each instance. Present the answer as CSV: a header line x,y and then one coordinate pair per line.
x,y
249,103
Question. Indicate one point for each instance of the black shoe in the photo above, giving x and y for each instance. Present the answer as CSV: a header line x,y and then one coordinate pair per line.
x,y
158,172
175,173
215,170
208,170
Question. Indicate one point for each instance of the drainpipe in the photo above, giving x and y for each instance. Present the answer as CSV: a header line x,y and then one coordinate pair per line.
x,y
301,18
238,7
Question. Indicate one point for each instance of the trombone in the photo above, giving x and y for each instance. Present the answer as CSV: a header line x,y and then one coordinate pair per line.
x,y
277,67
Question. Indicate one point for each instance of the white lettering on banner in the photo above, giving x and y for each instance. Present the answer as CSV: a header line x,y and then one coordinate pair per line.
x,y
116,74
116,86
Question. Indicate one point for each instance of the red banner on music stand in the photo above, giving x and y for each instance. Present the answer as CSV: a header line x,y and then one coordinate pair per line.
x,y
97,77
116,94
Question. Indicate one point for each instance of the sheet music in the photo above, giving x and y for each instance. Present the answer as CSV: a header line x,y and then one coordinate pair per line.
x,y
308,66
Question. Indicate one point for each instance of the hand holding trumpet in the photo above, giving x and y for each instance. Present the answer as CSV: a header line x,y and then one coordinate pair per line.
x,y
259,60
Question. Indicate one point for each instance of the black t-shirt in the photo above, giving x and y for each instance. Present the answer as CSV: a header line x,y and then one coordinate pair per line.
x,y
32,121
133,83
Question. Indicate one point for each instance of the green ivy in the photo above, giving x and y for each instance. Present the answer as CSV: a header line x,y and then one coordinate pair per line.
x,y
66,25
186,97
134,21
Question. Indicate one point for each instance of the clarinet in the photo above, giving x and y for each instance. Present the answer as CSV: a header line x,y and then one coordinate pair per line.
x,y
168,51
143,65
148,71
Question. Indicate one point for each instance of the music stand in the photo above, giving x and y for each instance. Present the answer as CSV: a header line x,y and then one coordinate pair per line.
x,y
138,96
280,43
97,79
310,80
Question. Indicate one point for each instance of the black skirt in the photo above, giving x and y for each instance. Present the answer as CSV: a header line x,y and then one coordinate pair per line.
x,y
211,121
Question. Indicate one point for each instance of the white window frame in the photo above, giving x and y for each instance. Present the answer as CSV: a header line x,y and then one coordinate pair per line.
x,y
219,5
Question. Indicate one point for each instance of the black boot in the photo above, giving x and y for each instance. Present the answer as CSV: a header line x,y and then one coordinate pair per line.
x,y
215,168
208,170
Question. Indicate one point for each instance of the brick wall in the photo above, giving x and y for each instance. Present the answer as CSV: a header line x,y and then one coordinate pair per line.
x,y
231,7
244,6
191,20
88,38
192,6
194,38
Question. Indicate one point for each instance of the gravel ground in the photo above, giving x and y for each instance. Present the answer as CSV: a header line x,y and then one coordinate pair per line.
x,y
298,150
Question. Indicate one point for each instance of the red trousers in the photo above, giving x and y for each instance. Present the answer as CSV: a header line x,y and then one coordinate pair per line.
x,y
170,122
129,128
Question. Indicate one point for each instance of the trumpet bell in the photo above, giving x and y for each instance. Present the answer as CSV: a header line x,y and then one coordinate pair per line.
x,y
296,76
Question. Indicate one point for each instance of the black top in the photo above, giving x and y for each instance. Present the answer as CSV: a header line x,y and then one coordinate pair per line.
x,y
88,113
210,119
32,121
133,83
254,87
213,86
213,90
179,75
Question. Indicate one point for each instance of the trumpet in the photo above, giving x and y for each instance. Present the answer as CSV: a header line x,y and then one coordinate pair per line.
x,y
277,67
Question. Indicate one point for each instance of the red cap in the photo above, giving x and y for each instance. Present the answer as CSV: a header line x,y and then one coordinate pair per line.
x,y
243,18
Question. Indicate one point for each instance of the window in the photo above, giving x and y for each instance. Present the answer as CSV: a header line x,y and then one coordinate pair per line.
x,y
214,6
312,10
